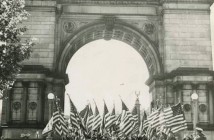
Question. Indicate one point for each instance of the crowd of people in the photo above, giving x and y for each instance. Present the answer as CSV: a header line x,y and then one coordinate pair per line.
x,y
95,135
198,136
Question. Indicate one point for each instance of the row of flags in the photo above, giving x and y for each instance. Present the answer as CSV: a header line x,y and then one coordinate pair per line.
x,y
85,122
165,120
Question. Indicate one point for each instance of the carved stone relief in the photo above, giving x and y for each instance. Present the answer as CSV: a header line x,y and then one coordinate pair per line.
x,y
187,107
16,105
149,28
32,105
69,26
109,22
202,108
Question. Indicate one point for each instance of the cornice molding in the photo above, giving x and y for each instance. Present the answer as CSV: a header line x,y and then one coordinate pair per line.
x,y
111,2
188,1
38,5
181,72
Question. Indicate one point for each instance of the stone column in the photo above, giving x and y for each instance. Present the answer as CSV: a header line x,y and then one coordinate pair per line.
x,y
157,91
6,107
48,89
24,102
41,99
59,89
177,88
211,102
170,93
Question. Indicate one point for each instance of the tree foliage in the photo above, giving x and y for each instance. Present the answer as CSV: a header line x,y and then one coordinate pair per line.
x,y
13,50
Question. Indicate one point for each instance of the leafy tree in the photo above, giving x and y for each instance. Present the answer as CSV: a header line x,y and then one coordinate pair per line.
x,y
13,50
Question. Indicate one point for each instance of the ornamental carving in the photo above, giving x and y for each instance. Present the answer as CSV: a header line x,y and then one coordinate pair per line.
x,y
109,22
32,105
16,105
69,27
149,28
187,107
203,108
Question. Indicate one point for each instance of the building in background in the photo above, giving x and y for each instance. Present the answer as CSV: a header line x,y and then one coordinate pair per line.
x,y
172,36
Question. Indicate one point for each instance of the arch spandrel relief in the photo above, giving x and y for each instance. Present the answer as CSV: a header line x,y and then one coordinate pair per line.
x,y
70,25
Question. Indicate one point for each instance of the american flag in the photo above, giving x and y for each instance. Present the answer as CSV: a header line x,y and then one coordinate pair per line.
x,y
152,121
106,117
167,119
159,120
176,121
111,120
135,116
143,123
84,114
89,122
49,127
75,119
167,115
96,119
59,124
128,122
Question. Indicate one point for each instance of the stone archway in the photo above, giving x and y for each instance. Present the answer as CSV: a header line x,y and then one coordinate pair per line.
x,y
110,29
178,54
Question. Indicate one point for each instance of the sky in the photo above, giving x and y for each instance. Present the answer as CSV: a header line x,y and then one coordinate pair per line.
x,y
107,71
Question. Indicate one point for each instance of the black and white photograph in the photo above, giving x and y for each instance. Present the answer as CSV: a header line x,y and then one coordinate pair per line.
x,y
106,69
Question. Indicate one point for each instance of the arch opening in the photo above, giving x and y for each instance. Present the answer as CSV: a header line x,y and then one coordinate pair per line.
x,y
104,70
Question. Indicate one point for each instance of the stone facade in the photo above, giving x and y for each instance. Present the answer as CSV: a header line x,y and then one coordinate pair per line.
x,y
41,25
172,36
187,36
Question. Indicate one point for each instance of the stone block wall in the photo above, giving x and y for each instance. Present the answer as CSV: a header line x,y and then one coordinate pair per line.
x,y
187,36
41,25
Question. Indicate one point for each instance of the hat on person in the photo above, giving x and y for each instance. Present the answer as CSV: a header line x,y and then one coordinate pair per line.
x,y
199,129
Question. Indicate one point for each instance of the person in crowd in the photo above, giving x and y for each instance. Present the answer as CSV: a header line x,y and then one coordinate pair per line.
x,y
94,135
145,137
154,135
140,137
134,137
187,138
191,136
118,138
106,136
163,136
99,136
171,136
113,136
77,136
200,134
126,138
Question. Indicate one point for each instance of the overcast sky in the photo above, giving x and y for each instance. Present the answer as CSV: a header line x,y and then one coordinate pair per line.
x,y
106,70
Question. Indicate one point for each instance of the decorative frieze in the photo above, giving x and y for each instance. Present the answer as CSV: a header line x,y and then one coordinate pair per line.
x,y
69,26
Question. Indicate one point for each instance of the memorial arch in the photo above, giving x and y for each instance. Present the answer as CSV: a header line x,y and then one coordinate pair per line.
x,y
119,31
172,36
